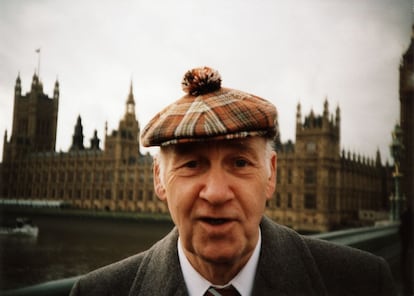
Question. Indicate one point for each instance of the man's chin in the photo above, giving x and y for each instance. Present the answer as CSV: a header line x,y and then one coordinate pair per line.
x,y
220,257
220,261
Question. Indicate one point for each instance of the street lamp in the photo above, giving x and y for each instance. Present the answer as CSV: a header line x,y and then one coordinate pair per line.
x,y
396,149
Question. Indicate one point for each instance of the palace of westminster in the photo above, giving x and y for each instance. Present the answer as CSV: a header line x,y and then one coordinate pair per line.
x,y
319,187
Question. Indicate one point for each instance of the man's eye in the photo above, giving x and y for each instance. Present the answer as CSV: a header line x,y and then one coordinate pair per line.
x,y
191,164
240,163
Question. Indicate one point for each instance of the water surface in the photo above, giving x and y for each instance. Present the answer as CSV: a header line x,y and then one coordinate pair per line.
x,y
70,246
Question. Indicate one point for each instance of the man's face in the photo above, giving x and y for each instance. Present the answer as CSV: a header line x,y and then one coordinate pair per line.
x,y
216,193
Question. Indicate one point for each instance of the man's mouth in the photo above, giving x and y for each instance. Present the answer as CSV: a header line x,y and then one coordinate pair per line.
x,y
215,221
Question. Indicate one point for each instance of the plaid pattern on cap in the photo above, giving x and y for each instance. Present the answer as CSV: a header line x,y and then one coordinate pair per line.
x,y
221,114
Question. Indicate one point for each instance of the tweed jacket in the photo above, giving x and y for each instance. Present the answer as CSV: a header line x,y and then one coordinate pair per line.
x,y
289,264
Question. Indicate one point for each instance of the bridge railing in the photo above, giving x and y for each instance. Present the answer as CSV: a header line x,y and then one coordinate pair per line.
x,y
379,240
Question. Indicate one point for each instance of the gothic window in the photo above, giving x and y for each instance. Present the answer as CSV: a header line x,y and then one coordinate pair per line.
x,y
108,194
97,176
79,176
108,176
310,147
289,201
278,200
131,176
310,201
53,177
61,176
289,176
70,176
310,176
45,176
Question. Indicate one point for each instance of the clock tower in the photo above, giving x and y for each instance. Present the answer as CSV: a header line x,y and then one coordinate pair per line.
x,y
407,119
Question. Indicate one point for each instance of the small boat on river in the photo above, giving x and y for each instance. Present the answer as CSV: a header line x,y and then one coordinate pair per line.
x,y
22,226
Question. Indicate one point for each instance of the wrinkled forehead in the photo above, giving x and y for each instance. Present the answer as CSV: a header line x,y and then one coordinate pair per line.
x,y
249,144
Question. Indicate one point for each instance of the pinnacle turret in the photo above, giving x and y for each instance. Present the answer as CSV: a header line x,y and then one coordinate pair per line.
x,y
77,138
18,87
56,90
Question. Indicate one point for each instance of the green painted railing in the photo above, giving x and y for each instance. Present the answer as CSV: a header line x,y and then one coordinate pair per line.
x,y
379,240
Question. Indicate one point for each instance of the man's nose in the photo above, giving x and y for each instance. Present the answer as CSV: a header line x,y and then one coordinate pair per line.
x,y
217,188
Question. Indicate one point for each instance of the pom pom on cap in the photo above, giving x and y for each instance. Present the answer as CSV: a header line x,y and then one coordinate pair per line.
x,y
200,81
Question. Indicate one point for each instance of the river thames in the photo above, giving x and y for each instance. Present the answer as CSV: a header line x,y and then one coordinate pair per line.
x,y
69,246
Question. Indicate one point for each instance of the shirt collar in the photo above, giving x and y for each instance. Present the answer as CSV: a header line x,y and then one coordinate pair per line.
x,y
197,285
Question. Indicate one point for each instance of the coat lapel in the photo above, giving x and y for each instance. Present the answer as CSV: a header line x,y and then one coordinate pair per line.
x,y
160,272
286,266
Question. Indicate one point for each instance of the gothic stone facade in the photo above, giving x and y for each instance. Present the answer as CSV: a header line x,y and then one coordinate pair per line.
x,y
117,178
318,187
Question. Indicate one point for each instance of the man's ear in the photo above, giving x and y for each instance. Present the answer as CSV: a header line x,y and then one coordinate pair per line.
x,y
158,184
271,182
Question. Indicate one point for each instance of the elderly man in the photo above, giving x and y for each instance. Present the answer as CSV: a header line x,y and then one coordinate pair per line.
x,y
215,170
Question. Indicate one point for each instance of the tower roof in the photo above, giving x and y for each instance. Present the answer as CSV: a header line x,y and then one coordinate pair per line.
x,y
130,99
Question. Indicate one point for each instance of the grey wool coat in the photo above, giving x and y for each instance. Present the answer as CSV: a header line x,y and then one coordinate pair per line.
x,y
289,264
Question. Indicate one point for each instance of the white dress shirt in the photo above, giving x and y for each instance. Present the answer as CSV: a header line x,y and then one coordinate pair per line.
x,y
197,285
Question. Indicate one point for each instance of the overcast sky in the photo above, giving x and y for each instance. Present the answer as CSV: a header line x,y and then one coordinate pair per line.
x,y
286,51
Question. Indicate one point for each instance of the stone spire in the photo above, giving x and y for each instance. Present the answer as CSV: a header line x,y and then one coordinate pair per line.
x,y
130,103
77,138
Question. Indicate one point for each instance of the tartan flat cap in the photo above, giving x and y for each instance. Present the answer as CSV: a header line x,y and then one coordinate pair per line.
x,y
210,112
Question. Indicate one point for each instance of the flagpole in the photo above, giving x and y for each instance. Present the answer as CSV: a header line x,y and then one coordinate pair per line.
x,y
38,62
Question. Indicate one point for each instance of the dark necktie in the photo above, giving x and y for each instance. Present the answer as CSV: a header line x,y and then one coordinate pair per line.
x,y
227,291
